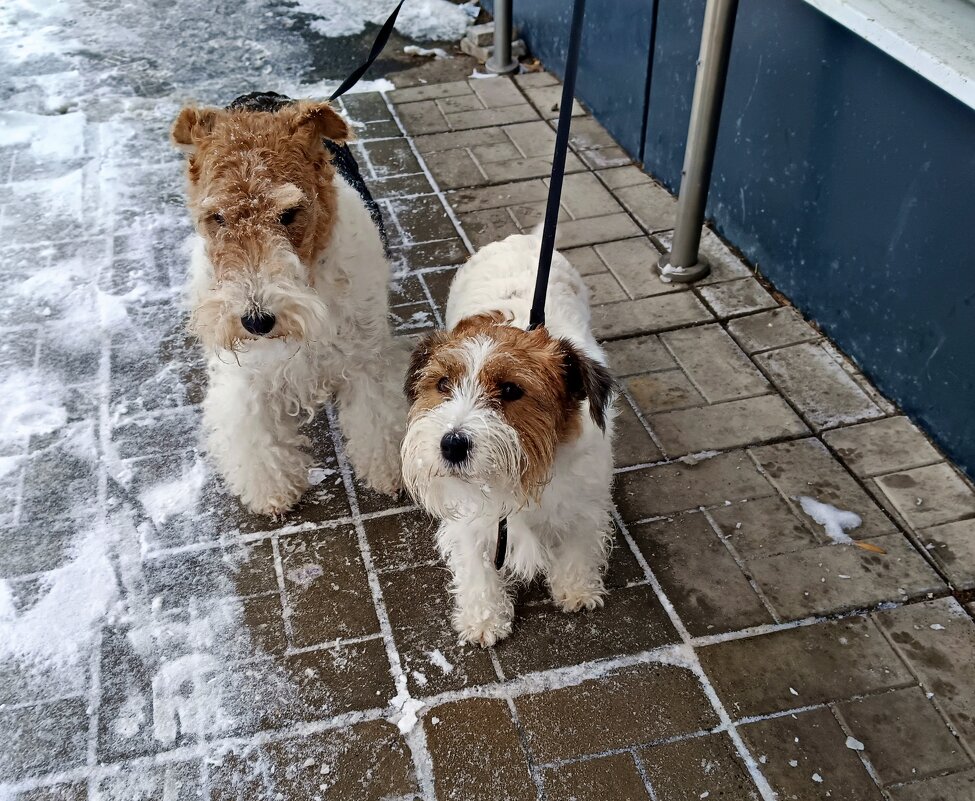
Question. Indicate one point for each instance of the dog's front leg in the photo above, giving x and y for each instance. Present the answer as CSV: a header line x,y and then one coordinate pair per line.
x,y
483,609
372,414
575,572
255,443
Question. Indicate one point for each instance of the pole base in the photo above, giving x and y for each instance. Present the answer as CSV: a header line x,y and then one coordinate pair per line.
x,y
492,65
681,275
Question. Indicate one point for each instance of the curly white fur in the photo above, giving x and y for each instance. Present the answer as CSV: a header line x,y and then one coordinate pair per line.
x,y
339,344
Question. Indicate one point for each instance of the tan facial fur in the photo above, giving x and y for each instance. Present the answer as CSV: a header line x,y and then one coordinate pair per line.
x,y
262,197
533,382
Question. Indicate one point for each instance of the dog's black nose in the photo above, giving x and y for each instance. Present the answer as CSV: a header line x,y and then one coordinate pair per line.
x,y
258,323
455,446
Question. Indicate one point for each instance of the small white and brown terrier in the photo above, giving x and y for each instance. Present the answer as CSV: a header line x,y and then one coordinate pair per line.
x,y
288,289
516,423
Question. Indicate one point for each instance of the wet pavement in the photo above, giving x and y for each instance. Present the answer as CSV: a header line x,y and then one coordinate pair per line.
x,y
158,642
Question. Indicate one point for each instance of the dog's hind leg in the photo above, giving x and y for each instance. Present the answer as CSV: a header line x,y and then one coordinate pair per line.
x,y
254,442
372,414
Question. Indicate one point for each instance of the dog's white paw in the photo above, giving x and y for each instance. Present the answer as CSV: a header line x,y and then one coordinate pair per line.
x,y
385,479
273,495
481,629
577,598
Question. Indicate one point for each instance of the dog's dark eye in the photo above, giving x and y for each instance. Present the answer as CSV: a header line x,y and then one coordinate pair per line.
x,y
218,219
443,385
509,391
288,216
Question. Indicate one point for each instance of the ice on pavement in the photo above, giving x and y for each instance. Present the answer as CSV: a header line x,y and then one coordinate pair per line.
x,y
835,522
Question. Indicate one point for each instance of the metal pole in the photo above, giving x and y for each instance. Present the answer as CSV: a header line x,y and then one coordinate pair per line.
x,y
684,263
501,61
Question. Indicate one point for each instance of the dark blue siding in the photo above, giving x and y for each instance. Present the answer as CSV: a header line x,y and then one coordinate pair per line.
x,y
848,179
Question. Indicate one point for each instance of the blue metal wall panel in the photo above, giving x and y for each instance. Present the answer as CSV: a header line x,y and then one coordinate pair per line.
x,y
848,179
613,61
845,176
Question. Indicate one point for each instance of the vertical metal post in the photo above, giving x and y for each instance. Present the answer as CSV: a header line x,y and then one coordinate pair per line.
x,y
501,61
684,262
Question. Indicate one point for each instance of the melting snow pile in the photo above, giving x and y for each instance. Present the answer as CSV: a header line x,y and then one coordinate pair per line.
x,y
424,20
835,521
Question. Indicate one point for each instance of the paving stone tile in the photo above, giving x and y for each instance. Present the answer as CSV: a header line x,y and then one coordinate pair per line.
x,y
593,230
882,446
540,78
818,386
326,590
699,575
603,288
431,254
544,637
904,736
431,91
584,196
665,489
652,205
605,157
598,779
632,262
490,225
726,425
365,762
956,787
389,157
616,177
497,93
799,748
665,390
420,618
734,298
453,169
840,578
241,571
43,738
548,99
632,445
823,662
647,315
495,197
56,792
585,260
702,767
24,552
490,116
714,363
476,752
764,527
927,496
180,781
422,117
425,219
626,707
412,319
952,546
806,468
402,540
937,640
772,329
637,355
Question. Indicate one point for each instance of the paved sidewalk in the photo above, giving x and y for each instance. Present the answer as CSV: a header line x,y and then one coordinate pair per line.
x,y
156,642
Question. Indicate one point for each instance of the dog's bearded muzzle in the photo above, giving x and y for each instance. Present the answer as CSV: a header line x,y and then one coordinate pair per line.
x,y
242,312
463,470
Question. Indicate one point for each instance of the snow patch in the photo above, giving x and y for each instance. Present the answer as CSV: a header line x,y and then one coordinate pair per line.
x,y
59,136
424,20
179,496
426,52
32,406
437,659
835,521
854,744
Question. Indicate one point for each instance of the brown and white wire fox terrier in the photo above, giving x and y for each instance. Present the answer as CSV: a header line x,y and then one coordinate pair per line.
x,y
288,289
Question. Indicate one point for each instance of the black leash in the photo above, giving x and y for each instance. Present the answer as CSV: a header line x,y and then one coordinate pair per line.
x,y
536,318
377,47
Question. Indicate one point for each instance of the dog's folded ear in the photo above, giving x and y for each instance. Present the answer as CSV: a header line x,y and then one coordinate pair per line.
x,y
320,119
419,360
587,379
192,124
